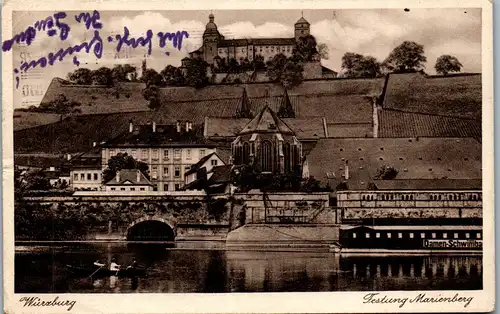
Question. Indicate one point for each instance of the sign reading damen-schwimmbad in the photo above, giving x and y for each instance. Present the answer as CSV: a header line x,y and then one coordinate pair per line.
x,y
453,244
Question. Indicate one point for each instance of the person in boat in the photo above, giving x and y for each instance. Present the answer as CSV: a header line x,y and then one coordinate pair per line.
x,y
114,266
133,265
99,264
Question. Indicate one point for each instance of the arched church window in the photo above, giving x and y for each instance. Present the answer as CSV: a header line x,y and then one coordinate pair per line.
x,y
267,156
246,153
286,155
296,155
238,154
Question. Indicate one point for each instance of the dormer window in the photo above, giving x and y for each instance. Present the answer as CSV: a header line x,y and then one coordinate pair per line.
x,y
272,126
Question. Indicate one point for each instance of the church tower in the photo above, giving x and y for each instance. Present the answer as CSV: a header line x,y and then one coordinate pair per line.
x,y
211,39
302,28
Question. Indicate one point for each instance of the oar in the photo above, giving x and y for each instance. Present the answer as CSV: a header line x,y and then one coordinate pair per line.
x,y
95,271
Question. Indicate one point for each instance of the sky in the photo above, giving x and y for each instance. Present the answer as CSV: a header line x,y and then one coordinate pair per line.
x,y
373,32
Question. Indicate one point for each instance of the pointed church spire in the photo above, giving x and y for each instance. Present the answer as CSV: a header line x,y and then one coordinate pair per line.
x,y
286,109
243,110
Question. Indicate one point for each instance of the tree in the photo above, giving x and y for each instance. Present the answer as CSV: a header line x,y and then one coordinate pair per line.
x,y
386,173
323,51
102,76
446,64
196,75
123,161
81,76
123,73
151,77
306,47
151,93
233,65
258,62
61,105
286,71
35,180
407,57
357,65
172,76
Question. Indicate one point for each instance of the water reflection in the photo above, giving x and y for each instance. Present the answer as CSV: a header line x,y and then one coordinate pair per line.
x,y
175,270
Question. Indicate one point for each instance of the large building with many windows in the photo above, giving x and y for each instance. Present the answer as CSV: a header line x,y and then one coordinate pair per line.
x,y
168,150
217,47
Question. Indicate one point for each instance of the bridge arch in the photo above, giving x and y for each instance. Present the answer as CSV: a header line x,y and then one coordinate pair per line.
x,y
151,228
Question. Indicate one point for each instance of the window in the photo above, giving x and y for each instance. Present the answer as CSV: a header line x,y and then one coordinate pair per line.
x,y
433,235
122,189
177,172
165,154
422,235
445,235
478,235
165,171
154,174
143,189
377,235
367,235
75,176
144,153
188,154
111,152
400,235
389,235
112,189
411,235
177,153
202,153
155,153
165,187
354,235
132,189
213,162
96,176
82,176
177,187
134,153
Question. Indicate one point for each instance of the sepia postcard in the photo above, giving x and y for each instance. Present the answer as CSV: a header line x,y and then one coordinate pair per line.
x,y
248,157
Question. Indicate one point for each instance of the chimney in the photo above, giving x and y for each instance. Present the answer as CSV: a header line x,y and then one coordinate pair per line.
x,y
118,176
346,175
130,126
138,176
94,144
154,126
178,127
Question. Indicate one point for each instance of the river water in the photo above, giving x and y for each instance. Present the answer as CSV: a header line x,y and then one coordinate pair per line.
x,y
171,269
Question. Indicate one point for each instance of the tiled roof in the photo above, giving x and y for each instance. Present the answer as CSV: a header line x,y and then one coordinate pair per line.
x,y
221,174
196,166
437,184
257,42
394,123
451,95
311,128
346,130
130,176
302,20
164,136
425,158
24,120
266,121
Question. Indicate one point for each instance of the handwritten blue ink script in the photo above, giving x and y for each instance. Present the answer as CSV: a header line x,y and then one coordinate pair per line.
x,y
54,25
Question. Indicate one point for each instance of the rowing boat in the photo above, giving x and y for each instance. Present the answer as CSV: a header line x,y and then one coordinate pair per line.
x,y
104,272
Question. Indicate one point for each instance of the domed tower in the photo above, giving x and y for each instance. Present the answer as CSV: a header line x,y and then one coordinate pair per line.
x,y
211,39
302,28
268,144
